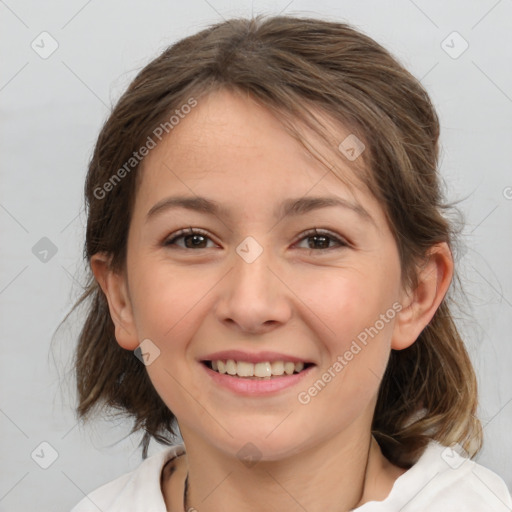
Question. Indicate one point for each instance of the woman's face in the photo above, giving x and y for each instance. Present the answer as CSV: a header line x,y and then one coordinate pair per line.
x,y
254,282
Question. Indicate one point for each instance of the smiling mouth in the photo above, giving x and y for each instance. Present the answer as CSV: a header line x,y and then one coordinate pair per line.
x,y
262,370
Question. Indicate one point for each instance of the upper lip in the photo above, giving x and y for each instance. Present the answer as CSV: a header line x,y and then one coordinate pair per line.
x,y
259,357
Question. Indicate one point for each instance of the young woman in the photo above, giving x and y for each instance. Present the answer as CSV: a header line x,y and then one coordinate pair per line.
x,y
270,267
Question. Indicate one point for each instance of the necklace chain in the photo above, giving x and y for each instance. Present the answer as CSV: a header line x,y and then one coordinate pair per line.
x,y
185,492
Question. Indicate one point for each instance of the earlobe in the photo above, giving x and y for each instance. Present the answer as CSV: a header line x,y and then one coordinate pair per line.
x,y
115,288
420,304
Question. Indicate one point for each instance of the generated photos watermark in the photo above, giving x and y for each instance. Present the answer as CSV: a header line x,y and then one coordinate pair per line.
x,y
159,132
357,345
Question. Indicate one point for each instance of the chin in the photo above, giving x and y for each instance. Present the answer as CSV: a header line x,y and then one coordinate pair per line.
x,y
251,447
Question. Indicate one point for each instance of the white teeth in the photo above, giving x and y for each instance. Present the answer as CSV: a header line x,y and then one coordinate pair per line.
x,y
262,370
244,369
289,368
231,367
277,368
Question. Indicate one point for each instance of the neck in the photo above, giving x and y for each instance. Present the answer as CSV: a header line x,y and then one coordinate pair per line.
x,y
324,477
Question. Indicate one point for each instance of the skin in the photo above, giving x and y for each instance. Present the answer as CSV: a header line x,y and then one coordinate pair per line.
x,y
311,303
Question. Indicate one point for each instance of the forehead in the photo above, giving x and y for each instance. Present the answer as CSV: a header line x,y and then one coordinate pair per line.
x,y
236,152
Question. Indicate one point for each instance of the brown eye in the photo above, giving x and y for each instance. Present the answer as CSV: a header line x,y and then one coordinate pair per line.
x,y
320,240
193,239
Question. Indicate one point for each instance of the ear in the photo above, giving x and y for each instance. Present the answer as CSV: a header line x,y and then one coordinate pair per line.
x,y
115,288
419,305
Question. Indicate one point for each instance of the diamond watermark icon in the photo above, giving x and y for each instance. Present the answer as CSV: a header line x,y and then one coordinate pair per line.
x,y
351,147
44,250
44,45
249,249
249,455
147,352
454,455
454,45
44,455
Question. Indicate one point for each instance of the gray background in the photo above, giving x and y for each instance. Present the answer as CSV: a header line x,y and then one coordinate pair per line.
x,y
51,112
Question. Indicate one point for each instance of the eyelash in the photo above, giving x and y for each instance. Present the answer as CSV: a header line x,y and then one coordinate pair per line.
x,y
182,233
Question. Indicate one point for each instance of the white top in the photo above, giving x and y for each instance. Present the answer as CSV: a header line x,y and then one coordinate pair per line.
x,y
440,481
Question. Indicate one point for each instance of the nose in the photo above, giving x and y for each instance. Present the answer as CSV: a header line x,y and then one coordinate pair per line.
x,y
253,297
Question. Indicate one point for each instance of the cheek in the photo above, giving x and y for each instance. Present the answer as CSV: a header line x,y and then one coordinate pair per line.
x,y
347,302
348,381
355,313
169,303
165,299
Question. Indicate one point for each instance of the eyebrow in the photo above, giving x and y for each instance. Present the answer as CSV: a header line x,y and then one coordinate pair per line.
x,y
289,207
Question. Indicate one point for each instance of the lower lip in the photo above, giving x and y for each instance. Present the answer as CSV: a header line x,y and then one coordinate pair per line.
x,y
255,387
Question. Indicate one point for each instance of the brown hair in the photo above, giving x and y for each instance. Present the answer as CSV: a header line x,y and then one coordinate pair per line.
x,y
296,67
